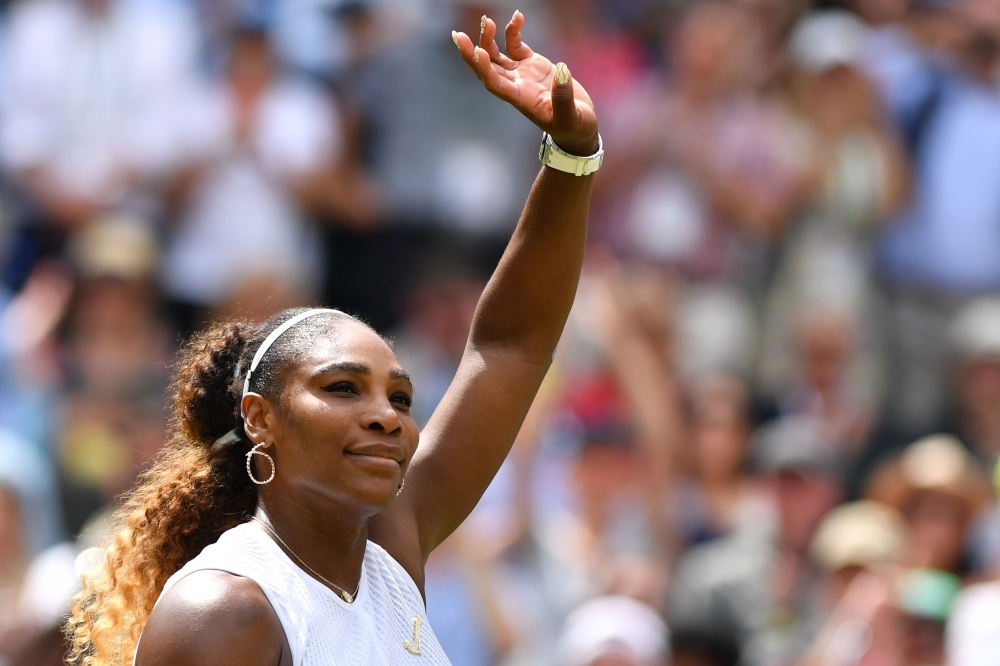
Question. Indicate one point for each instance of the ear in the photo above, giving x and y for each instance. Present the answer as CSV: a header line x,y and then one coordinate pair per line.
x,y
259,419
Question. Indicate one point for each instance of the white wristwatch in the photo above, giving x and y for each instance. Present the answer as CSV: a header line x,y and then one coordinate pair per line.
x,y
553,156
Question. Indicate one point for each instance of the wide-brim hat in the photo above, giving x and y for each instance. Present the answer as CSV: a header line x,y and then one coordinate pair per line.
x,y
938,463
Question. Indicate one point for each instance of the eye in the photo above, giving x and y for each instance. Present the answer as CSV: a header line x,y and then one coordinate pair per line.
x,y
341,387
402,399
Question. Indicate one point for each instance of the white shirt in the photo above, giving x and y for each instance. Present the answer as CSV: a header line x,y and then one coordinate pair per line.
x,y
243,220
322,629
91,96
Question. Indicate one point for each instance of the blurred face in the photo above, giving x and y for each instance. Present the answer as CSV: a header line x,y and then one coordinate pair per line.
x,y
10,530
251,66
826,346
803,498
979,384
937,530
705,44
878,12
601,474
838,99
616,660
443,312
109,308
923,642
720,437
341,429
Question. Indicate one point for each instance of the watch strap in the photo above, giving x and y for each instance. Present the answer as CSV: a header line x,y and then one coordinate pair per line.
x,y
555,157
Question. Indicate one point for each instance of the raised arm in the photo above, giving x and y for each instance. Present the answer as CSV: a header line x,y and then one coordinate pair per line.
x,y
521,314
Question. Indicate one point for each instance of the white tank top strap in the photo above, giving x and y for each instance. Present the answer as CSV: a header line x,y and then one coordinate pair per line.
x,y
386,624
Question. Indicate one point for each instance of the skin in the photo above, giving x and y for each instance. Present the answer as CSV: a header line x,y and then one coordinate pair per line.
x,y
341,433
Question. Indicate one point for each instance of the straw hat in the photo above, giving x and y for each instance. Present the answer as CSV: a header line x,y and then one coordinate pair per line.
x,y
938,463
863,533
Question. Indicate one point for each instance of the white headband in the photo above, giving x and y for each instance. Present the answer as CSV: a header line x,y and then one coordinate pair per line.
x,y
269,340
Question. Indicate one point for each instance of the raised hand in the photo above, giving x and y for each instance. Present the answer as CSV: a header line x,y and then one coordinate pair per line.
x,y
544,92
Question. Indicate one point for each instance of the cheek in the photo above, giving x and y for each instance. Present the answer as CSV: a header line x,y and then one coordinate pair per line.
x,y
316,427
410,439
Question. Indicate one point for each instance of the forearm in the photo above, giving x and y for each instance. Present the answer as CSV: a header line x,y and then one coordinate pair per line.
x,y
526,303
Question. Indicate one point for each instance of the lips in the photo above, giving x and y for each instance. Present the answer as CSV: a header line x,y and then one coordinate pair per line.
x,y
380,453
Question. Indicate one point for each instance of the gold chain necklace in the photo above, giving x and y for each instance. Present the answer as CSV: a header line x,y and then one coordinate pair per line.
x,y
344,594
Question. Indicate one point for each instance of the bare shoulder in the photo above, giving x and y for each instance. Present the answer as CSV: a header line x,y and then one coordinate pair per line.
x,y
213,618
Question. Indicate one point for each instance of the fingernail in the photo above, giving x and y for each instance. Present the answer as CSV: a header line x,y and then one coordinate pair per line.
x,y
454,37
477,55
482,24
514,17
562,73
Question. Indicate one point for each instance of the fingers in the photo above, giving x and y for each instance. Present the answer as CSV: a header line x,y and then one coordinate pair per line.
x,y
467,49
487,42
564,114
516,49
496,79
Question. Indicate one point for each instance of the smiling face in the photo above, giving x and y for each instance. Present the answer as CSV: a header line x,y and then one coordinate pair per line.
x,y
340,429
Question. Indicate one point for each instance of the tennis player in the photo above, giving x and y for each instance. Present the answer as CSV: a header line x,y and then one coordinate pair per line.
x,y
288,520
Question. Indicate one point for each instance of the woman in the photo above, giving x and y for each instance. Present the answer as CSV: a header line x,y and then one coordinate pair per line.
x,y
330,568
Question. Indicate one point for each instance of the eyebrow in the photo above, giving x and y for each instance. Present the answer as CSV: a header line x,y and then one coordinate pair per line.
x,y
360,369
399,373
344,366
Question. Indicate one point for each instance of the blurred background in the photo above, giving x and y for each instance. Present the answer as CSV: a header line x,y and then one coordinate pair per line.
x,y
768,434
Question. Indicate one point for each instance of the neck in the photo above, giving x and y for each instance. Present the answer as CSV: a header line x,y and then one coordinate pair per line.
x,y
333,549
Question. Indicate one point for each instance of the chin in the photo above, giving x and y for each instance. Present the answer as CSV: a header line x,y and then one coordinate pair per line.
x,y
378,495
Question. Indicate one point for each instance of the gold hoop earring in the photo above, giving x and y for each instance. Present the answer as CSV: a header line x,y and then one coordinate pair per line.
x,y
250,454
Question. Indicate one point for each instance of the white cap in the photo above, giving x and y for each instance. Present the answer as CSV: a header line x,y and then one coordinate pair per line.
x,y
972,637
613,625
976,329
823,40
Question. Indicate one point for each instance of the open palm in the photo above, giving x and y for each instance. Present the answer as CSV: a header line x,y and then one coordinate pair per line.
x,y
531,83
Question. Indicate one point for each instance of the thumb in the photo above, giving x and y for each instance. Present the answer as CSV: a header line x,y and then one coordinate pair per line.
x,y
564,114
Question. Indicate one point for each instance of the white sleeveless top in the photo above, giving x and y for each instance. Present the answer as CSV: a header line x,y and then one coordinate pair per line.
x,y
322,629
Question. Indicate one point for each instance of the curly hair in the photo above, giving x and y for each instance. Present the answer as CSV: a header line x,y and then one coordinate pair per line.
x,y
191,493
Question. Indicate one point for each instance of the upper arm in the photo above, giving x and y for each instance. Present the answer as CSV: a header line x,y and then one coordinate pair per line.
x,y
461,449
213,618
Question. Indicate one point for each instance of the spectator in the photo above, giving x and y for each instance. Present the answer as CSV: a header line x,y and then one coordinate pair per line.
x,y
856,545
432,339
29,523
696,434
117,354
926,597
613,631
946,249
975,338
823,300
91,91
254,144
713,169
758,583
940,488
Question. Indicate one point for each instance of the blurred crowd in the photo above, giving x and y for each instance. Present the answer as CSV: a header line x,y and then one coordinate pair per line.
x,y
768,435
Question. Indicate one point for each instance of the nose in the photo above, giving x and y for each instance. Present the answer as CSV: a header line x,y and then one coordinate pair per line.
x,y
385,419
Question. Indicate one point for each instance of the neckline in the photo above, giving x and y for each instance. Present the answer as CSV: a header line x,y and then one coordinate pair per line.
x,y
312,580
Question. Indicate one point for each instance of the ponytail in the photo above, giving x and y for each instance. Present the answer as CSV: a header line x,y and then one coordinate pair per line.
x,y
182,503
